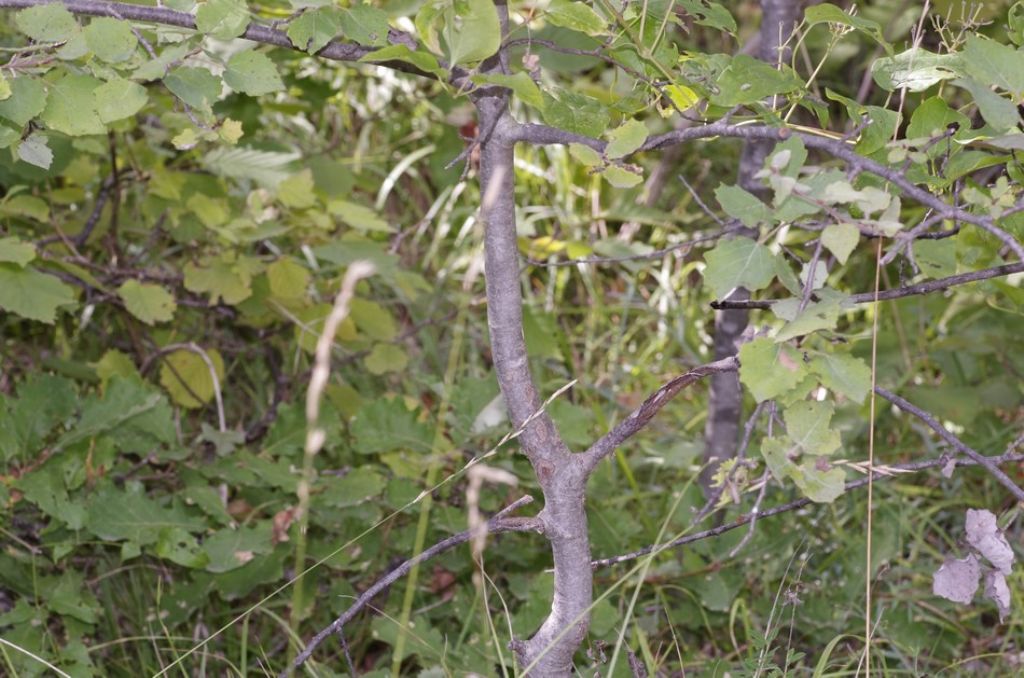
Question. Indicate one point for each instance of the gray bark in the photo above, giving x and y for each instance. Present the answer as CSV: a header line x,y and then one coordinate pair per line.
x,y
725,400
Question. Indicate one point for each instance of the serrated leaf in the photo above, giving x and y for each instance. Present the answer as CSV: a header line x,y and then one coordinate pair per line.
x,y
422,60
577,16
358,216
268,168
71,108
817,315
197,87
808,425
620,177
575,113
110,40
27,100
585,154
288,278
916,70
769,369
252,73
738,262
231,548
222,19
473,33
149,303
16,251
743,205
823,486
119,99
747,80
843,373
840,240
117,515
314,28
993,63
386,358
297,190
31,294
625,139
385,425
520,83
221,279
365,25
187,378
49,22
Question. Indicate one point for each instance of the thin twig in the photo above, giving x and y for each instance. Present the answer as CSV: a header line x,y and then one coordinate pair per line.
x,y
499,523
796,504
656,254
934,425
899,292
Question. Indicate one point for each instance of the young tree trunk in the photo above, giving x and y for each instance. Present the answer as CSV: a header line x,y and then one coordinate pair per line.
x,y
725,400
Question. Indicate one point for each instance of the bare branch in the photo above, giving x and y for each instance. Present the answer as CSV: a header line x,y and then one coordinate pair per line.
x,y
933,424
499,523
899,292
798,504
650,407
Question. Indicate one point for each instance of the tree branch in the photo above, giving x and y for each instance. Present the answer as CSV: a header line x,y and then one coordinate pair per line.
x,y
842,150
334,50
934,425
496,525
899,292
650,407
798,504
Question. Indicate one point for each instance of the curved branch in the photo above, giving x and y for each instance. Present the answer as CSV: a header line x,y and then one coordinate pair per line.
x,y
496,525
842,150
334,50
899,292
650,407
798,504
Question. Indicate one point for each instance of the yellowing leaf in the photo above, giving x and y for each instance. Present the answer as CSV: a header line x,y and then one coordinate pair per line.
x,y
288,279
187,377
149,303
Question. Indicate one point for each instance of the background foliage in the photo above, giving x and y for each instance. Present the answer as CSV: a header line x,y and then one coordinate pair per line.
x,y
178,207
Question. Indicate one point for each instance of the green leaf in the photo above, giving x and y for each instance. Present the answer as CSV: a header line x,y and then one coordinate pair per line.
x,y
180,547
743,205
149,303
747,80
110,40
769,369
131,413
625,139
221,278
358,216
422,60
711,14
473,33
27,100
682,97
366,25
222,19
937,258
288,278
16,251
998,112
119,99
384,425
31,294
993,63
197,87
314,28
231,548
826,13
49,22
521,83
585,154
114,363
187,377
916,70
738,262
817,315
844,374
621,177
297,190
576,15
931,119
840,240
823,486
252,73
35,150
575,113
5,88
71,108
45,487
386,358
44,401
117,515
373,319
808,425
